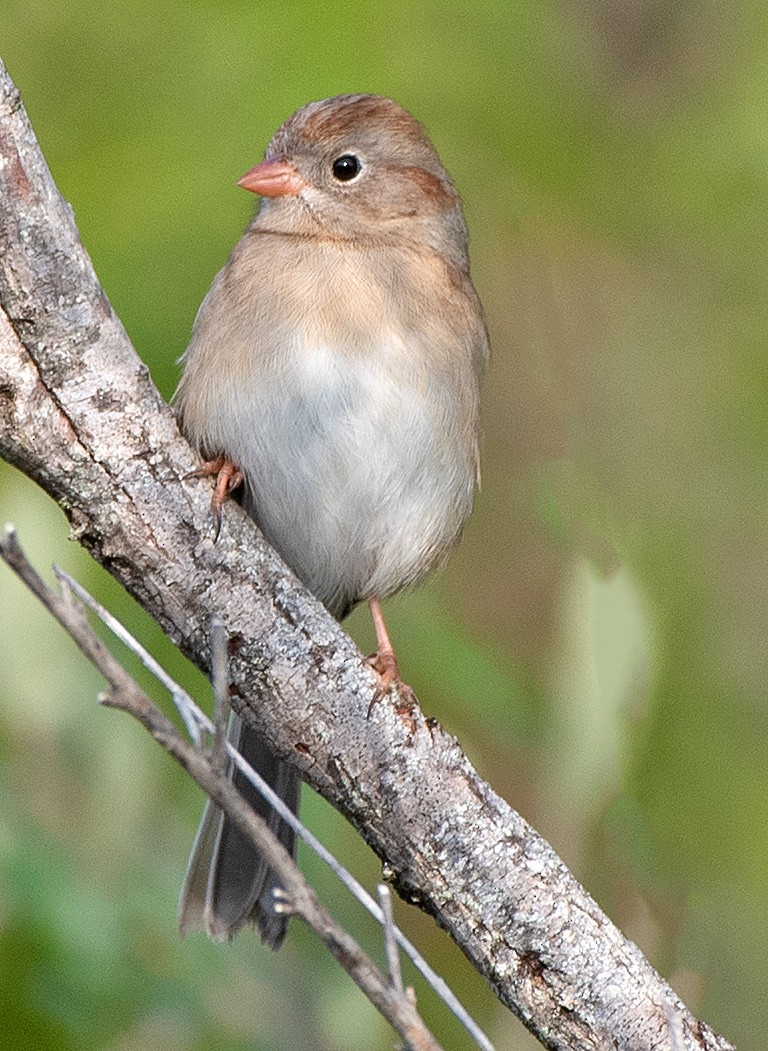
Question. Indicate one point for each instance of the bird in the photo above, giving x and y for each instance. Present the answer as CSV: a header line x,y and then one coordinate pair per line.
x,y
333,376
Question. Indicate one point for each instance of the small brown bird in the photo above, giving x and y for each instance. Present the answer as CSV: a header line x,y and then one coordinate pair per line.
x,y
334,370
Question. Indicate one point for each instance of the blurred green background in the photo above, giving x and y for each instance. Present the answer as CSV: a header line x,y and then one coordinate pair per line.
x,y
598,643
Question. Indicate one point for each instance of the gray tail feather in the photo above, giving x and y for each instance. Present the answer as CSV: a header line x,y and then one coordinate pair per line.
x,y
228,883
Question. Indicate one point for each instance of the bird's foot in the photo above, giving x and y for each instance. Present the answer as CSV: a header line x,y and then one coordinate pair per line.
x,y
384,663
228,477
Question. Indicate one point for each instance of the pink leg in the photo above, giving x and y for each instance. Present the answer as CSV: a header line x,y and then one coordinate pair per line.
x,y
384,661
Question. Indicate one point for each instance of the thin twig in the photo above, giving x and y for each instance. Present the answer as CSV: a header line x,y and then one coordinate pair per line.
x,y
390,942
185,706
194,717
125,695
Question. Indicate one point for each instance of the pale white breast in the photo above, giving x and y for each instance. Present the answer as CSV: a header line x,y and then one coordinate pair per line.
x,y
357,465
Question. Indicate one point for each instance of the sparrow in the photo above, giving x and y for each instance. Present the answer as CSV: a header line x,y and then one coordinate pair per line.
x,y
333,374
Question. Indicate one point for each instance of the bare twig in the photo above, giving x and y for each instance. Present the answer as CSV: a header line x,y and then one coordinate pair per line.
x,y
125,695
390,941
79,414
194,717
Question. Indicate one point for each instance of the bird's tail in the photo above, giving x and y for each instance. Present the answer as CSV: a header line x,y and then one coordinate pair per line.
x,y
228,883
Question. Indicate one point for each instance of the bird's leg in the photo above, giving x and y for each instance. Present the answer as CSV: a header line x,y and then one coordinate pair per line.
x,y
384,663
228,477
383,660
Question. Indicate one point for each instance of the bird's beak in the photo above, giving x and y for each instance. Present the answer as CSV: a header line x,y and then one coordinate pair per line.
x,y
273,179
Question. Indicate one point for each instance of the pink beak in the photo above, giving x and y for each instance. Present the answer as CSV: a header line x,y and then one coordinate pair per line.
x,y
273,179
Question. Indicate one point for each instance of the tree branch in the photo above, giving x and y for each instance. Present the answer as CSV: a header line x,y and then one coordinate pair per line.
x,y
198,726
210,774
79,414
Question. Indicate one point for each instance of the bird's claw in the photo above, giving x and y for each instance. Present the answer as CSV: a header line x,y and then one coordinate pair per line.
x,y
228,477
384,663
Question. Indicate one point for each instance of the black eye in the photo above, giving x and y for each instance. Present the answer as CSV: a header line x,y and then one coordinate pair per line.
x,y
346,167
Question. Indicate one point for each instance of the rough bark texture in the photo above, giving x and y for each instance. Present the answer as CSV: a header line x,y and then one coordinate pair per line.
x,y
79,414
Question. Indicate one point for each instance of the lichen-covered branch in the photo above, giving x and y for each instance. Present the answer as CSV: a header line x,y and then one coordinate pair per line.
x,y
79,414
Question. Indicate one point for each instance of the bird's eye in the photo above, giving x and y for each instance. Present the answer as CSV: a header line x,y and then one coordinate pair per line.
x,y
346,167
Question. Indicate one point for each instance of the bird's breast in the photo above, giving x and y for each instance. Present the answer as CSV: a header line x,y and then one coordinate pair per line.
x,y
360,467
